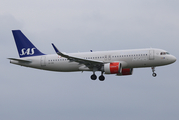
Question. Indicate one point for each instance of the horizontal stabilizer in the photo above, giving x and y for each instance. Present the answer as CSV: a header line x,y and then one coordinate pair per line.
x,y
20,60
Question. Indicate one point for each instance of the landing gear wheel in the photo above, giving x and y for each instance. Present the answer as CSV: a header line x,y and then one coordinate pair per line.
x,y
154,74
101,78
153,70
93,77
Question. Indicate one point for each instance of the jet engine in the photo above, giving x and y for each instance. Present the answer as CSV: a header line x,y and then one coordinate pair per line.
x,y
112,68
116,68
126,71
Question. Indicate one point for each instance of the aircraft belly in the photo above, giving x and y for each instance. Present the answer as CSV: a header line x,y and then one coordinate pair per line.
x,y
63,66
138,63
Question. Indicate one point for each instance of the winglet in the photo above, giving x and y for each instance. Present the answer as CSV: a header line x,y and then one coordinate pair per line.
x,y
56,50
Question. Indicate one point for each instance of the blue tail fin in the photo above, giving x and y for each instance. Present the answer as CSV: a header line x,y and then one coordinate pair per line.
x,y
24,46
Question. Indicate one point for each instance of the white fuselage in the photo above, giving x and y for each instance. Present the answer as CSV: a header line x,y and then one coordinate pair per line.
x,y
129,58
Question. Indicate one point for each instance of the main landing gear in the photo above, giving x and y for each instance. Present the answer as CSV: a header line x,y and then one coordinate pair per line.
x,y
94,77
101,77
153,70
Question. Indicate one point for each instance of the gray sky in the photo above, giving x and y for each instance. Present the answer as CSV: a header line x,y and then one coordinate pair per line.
x,y
78,26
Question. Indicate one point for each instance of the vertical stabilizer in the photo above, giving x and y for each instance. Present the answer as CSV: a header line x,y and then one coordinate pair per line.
x,y
24,46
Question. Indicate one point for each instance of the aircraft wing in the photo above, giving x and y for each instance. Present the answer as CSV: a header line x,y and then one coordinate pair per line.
x,y
88,62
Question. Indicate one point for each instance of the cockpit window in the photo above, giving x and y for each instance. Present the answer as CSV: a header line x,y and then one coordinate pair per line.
x,y
164,53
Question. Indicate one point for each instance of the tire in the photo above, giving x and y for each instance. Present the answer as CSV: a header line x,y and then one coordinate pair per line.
x,y
154,74
101,78
93,77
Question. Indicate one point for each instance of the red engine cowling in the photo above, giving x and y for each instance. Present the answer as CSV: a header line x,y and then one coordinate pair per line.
x,y
126,71
112,68
116,68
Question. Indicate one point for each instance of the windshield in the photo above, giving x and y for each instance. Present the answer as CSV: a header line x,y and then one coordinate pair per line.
x,y
164,53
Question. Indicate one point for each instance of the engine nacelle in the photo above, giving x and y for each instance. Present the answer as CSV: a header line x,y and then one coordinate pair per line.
x,y
116,68
112,68
126,71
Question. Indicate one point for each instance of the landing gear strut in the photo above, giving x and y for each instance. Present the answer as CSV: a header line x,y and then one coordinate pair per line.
x,y
101,78
93,76
153,70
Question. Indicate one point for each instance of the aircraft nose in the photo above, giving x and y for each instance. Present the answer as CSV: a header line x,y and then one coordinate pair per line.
x,y
173,59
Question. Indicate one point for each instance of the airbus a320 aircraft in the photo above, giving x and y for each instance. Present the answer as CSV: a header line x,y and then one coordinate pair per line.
x,y
118,62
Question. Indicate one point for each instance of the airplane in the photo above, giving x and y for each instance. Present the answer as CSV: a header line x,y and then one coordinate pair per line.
x,y
117,62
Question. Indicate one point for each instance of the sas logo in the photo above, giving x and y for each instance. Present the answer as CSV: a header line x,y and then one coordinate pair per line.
x,y
29,51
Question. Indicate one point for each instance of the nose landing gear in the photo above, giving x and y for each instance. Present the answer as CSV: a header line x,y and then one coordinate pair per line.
x,y
153,70
154,74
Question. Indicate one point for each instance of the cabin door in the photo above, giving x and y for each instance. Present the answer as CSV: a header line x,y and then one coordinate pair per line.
x,y
151,54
